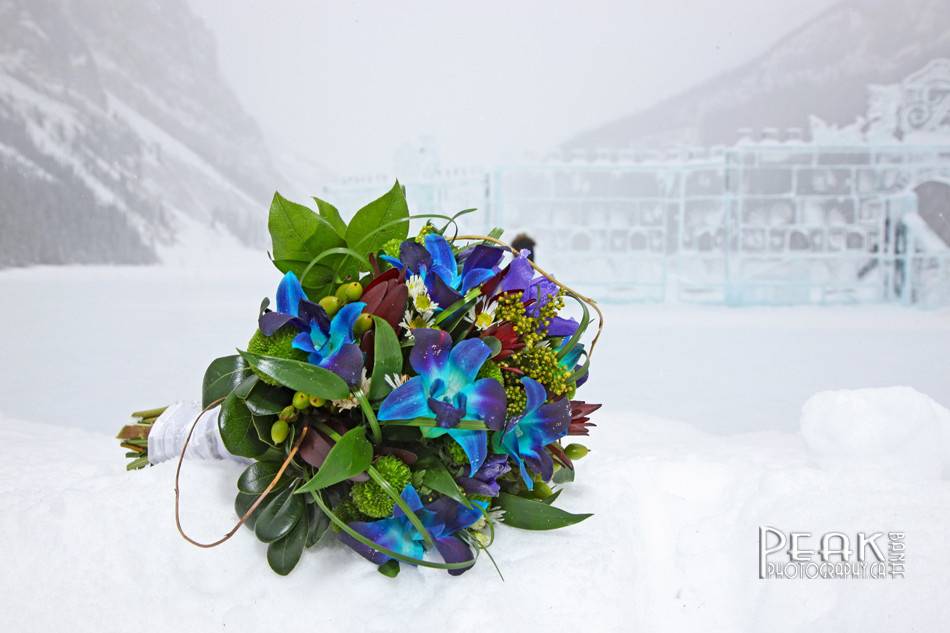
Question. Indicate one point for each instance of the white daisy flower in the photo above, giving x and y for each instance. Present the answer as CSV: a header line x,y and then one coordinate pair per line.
x,y
486,317
421,300
353,400
395,380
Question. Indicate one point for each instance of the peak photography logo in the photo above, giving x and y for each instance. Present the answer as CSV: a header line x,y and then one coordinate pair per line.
x,y
859,555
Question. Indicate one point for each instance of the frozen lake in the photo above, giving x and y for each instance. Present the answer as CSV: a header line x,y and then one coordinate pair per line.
x,y
92,344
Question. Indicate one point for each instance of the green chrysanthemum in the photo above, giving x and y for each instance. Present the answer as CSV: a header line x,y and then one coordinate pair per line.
x,y
490,369
370,498
278,345
391,247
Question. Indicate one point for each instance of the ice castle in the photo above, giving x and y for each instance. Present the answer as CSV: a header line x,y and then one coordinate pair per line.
x,y
855,214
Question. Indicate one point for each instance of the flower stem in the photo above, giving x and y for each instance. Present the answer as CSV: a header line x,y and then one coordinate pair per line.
x,y
370,417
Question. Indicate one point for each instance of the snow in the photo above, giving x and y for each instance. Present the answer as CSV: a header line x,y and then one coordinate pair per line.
x,y
678,489
895,432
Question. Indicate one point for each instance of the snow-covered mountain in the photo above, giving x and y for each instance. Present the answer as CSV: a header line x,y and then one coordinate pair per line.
x,y
119,138
822,68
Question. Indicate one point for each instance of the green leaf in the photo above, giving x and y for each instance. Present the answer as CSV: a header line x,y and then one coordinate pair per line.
x,y
438,477
300,376
262,425
243,503
364,234
350,456
390,568
267,399
297,233
258,476
387,355
535,515
244,389
329,213
221,377
237,429
552,498
318,522
279,516
284,554
563,475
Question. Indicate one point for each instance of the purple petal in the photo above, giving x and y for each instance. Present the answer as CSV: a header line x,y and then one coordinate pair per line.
x,y
270,322
414,255
440,291
454,550
446,414
481,256
489,488
310,312
389,533
430,354
346,363
486,401
562,327
411,497
519,274
406,402
452,515
541,462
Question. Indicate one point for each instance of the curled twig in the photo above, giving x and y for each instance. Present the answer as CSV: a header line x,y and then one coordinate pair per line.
x,y
254,506
568,289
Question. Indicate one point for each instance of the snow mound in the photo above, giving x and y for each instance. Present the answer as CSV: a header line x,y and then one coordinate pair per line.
x,y
897,431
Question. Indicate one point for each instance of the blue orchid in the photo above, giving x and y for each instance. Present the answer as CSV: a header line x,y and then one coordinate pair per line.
x,y
442,518
446,389
485,481
526,435
331,344
439,269
293,308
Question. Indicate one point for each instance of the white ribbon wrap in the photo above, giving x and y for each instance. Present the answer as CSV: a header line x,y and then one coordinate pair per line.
x,y
167,436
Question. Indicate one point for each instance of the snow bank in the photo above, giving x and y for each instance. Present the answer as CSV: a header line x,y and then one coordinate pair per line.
x,y
896,432
672,547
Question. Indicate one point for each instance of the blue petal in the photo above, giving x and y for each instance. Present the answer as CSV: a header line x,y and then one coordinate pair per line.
x,y
510,443
453,516
430,354
341,327
303,342
289,294
392,261
392,533
547,424
442,255
411,497
535,392
465,359
486,401
476,277
406,402
475,445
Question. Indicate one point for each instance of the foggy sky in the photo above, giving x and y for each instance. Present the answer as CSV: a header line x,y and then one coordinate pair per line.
x,y
345,83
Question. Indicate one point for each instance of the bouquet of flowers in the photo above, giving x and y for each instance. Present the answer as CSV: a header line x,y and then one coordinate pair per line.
x,y
405,393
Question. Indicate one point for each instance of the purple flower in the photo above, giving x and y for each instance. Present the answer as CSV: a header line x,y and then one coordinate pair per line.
x,y
485,480
442,518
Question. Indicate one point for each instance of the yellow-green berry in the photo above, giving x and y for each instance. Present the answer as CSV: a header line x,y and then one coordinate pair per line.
x,y
288,414
351,291
542,490
316,402
279,431
363,323
576,451
301,401
330,304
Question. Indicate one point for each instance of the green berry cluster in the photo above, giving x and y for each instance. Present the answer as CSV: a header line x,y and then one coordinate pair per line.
x,y
514,394
391,247
370,498
279,345
425,230
510,308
